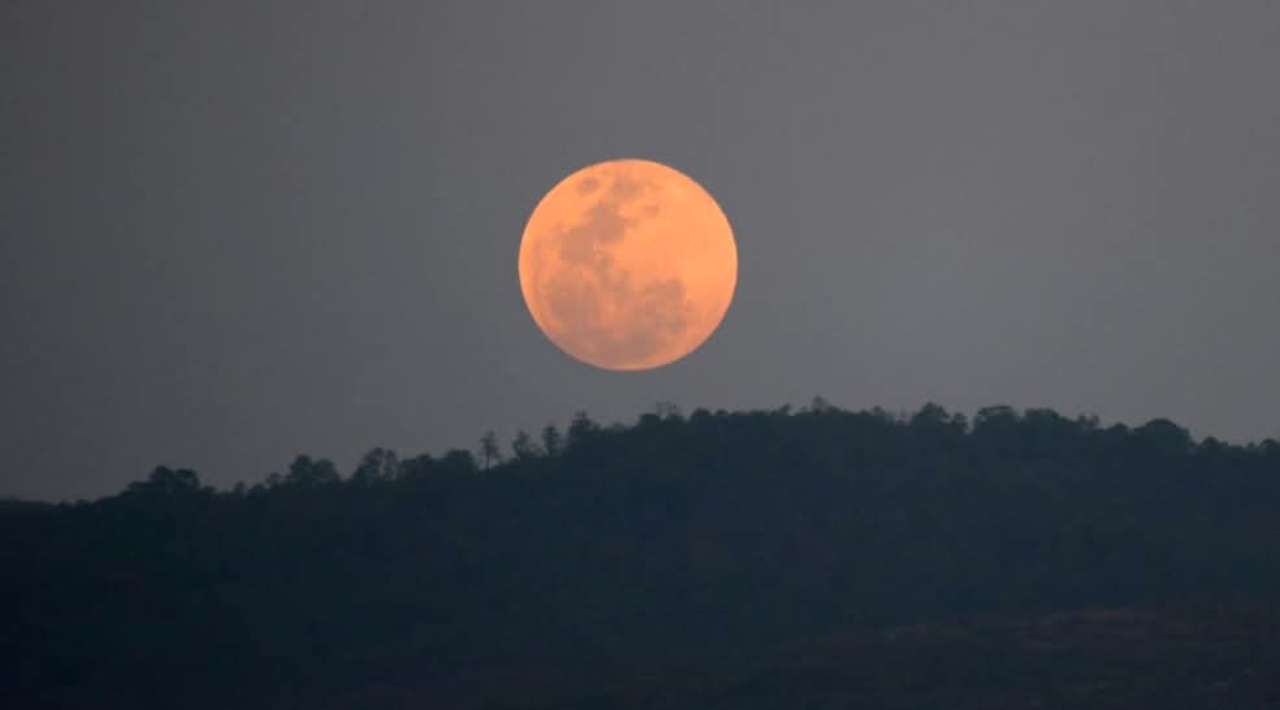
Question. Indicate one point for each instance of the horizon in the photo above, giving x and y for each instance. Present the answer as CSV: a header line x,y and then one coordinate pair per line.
x,y
663,410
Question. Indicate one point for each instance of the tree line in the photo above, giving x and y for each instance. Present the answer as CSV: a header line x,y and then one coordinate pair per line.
x,y
695,535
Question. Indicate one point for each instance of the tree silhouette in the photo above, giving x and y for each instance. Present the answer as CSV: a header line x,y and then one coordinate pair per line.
x,y
166,482
827,550
581,429
490,450
552,442
377,465
306,473
523,448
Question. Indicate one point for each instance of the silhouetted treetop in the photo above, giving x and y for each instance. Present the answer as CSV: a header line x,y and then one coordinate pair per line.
x,y
166,482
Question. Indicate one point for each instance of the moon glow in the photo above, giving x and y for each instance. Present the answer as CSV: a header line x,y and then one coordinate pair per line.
x,y
628,265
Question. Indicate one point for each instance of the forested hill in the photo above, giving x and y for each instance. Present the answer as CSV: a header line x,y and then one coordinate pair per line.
x,y
702,541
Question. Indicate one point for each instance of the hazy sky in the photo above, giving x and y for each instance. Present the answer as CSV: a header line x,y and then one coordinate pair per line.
x,y
231,232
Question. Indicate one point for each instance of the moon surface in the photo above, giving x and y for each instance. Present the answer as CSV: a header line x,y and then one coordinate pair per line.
x,y
628,265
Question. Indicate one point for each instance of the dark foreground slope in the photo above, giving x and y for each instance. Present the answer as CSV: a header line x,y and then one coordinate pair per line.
x,y
755,560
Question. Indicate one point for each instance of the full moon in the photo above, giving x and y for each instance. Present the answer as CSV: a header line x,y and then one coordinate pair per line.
x,y
628,265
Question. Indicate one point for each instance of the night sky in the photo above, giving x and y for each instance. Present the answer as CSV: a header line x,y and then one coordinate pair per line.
x,y
232,232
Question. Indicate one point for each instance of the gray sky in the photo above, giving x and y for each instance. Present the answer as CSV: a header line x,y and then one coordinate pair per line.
x,y
232,232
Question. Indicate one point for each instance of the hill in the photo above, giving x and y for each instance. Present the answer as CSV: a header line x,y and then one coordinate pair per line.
x,y
755,559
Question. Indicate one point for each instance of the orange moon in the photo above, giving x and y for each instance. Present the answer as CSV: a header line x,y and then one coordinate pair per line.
x,y
628,265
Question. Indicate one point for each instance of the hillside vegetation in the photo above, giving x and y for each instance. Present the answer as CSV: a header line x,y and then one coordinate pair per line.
x,y
734,560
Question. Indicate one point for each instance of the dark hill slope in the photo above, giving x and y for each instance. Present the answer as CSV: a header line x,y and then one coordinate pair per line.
x,y
708,542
